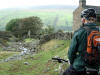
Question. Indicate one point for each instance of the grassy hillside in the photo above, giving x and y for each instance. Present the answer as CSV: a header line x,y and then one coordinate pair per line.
x,y
5,54
40,63
56,17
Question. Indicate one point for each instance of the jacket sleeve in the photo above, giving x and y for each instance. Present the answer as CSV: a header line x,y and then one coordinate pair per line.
x,y
73,48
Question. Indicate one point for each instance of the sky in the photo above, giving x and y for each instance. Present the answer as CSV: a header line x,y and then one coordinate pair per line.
x,y
26,3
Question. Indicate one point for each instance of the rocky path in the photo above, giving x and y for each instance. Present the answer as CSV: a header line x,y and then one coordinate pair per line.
x,y
24,49
19,56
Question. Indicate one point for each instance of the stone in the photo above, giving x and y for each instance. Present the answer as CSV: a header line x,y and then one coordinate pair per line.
x,y
26,63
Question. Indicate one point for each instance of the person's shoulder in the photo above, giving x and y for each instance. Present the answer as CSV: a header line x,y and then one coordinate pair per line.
x,y
79,31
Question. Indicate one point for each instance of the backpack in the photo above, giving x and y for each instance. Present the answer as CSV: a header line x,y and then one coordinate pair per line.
x,y
92,55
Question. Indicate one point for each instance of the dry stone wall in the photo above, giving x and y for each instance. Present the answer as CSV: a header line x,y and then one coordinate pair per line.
x,y
58,35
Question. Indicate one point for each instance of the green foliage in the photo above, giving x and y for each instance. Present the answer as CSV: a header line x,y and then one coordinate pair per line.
x,y
27,40
12,25
48,30
60,31
25,27
48,17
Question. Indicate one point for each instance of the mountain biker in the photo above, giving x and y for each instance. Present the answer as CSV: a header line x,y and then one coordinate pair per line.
x,y
79,45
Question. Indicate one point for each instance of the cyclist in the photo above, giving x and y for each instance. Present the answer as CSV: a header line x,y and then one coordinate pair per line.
x,y
79,45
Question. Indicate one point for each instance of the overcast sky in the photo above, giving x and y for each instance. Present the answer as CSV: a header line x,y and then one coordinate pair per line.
x,y
26,3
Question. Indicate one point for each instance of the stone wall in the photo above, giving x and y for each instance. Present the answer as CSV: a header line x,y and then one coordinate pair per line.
x,y
58,35
77,19
5,35
34,46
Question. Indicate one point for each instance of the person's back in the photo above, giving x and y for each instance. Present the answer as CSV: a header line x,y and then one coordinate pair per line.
x,y
78,45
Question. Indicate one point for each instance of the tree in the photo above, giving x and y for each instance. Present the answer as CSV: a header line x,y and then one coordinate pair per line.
x,y
25,27
12,25
50,29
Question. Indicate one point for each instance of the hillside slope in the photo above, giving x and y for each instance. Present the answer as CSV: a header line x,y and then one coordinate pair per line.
x,y
40,63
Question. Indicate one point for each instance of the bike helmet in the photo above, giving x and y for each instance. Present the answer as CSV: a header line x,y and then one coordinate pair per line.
x,y
90,12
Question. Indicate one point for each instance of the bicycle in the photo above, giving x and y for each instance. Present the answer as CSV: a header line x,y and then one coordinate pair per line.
x,y
89,71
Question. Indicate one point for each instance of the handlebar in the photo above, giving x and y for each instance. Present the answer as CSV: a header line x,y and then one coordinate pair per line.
x,y
59,60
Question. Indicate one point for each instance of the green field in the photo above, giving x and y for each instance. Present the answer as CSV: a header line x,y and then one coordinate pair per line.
x,y
55,17
39,64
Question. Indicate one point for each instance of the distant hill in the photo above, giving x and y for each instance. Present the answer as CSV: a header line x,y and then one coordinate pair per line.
x,y
54,7
51,15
